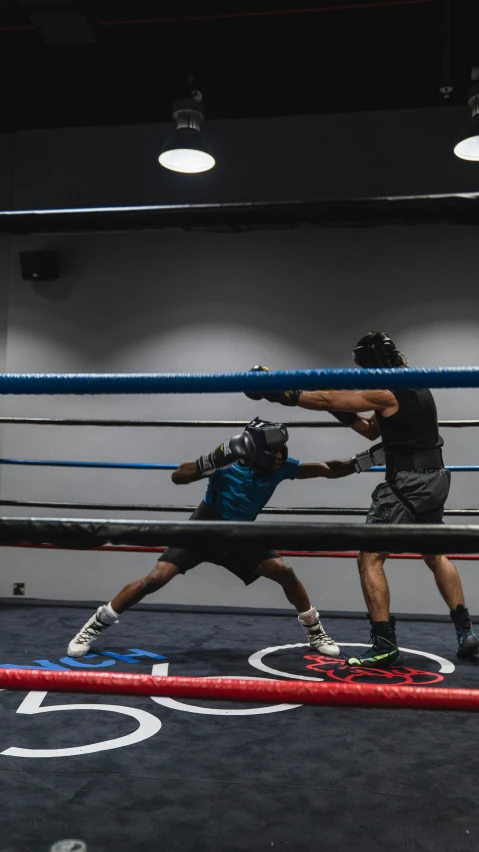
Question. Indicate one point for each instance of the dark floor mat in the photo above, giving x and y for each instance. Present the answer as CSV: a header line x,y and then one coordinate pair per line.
x,y
251,779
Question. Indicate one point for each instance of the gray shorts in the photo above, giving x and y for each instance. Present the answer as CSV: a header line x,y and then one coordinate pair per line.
x,y
411,497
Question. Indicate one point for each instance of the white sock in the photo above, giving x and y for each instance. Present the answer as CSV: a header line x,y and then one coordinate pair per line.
x,y
309,617
109,613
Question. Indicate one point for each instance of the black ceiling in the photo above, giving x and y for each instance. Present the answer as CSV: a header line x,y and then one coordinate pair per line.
x,y
125,62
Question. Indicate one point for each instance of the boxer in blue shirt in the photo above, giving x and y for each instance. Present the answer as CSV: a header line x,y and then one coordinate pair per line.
x,y
243,473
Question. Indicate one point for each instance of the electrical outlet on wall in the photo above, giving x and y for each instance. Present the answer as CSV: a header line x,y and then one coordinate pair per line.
x,y
19,588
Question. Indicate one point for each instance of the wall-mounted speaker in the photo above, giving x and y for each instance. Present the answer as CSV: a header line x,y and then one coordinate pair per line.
x,y
40,265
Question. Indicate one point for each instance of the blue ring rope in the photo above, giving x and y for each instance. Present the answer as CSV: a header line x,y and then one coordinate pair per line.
x,y
159,383
126,465
138,466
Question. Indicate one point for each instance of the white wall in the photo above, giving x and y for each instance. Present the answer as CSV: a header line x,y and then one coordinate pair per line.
x,y
213,302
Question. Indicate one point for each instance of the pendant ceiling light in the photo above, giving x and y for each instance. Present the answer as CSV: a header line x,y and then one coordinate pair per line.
x,y
187,150
467,143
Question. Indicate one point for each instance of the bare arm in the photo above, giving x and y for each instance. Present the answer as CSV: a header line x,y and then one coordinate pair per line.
x,y
355,401
186,473
329,470
367,427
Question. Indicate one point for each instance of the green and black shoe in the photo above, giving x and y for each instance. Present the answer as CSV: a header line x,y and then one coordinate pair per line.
x,y
384,653
467,641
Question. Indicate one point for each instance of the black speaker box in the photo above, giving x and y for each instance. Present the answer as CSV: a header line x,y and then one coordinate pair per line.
x,y
40,265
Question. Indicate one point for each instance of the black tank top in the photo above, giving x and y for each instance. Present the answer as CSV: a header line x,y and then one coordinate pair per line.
x,y
414,427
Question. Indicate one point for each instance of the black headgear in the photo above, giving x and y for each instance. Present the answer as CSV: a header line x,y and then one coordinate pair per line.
x,y
376,349
268,439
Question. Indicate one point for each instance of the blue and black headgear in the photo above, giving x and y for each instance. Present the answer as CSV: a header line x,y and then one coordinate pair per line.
x,y
376,349
268,439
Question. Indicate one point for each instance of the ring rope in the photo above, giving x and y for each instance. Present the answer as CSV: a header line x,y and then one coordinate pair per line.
x,y
154,507
232,689
347,554
291,424
142,466
255,382
87,533
113,465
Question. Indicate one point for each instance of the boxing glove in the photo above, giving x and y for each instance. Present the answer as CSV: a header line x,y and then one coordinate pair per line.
x,y
369,458
283,397
236,448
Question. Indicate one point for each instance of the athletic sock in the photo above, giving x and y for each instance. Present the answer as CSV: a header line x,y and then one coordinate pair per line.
x,y
310,617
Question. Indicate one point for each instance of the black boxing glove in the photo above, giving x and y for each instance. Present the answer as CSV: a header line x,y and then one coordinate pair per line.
x,y
236,448
347,418
288,397
256,396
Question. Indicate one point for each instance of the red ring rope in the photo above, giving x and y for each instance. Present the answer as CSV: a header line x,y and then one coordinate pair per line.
x,y
333,554
232,689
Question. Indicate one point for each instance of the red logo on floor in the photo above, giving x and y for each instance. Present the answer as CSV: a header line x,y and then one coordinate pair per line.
x,y
337,669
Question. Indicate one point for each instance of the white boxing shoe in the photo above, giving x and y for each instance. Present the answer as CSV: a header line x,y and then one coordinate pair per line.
x,y
81,643
319,640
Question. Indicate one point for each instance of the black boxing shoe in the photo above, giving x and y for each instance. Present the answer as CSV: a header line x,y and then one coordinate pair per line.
x,y
467,641
384,653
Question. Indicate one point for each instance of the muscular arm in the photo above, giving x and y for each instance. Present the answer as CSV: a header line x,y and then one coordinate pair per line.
x,y
186,473
329,470
355,401
367,427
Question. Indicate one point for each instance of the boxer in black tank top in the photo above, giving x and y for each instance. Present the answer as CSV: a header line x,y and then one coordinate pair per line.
x,y
414,491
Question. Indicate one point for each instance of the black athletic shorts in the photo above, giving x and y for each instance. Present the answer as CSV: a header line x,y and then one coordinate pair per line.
x,y
242,563
411,497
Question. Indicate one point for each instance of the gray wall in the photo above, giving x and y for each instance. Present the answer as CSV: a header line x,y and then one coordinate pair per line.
x,y
401,152
208,302
181,302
